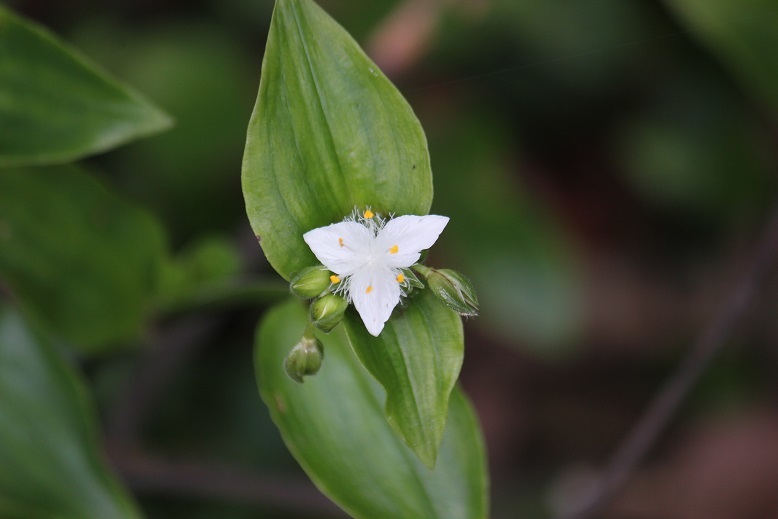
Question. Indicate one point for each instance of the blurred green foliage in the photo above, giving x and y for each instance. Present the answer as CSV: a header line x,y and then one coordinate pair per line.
x,y
190,175
50,465
698,149
80,259
742,36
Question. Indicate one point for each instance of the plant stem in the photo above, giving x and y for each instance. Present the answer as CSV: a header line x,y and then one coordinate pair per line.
x,y
422,270
309,330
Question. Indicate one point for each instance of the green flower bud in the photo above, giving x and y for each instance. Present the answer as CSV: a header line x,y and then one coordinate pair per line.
x,y
454,289
310,282
327,312
304,359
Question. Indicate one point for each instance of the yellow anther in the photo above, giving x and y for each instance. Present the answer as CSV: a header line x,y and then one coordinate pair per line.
x,y
340,242
334,279
369,289
400,278
369,214
394,249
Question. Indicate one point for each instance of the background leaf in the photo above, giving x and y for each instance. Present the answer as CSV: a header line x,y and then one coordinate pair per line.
x,y
206,80
742,35
329,132
335,427
55,106
49,463
416,359
81,260
698,148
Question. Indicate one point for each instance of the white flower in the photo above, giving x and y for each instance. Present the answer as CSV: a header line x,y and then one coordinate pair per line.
x,y
367,253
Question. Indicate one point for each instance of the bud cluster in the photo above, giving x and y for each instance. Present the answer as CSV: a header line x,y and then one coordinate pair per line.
x,y
328,306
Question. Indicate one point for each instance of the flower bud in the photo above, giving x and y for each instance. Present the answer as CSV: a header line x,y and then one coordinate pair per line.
x,y
327,312
304,359
454,289
310,282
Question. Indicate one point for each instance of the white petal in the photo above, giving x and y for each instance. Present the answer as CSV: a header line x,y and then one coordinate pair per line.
x,y
375,292
341,247
404,237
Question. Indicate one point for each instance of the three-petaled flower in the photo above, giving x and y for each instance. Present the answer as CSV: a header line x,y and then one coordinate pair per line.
x,y
367,254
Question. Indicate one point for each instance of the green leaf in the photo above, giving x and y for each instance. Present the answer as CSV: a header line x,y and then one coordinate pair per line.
x,y
49,461
742,33
416,359
334,426
55,106
329,132
82,261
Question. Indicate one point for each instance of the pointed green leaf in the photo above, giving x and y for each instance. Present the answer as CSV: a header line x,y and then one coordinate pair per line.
x,y
55,106
416,359
81,261
334,426
49,460
329,132
743,33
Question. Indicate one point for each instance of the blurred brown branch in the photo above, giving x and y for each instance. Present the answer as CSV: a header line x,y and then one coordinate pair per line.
x,y
667,402
194,480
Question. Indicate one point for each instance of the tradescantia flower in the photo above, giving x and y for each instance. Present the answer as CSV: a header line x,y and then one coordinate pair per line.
x,y
367,254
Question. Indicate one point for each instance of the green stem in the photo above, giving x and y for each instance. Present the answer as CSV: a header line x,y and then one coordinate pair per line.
x,y
309,328
422,270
